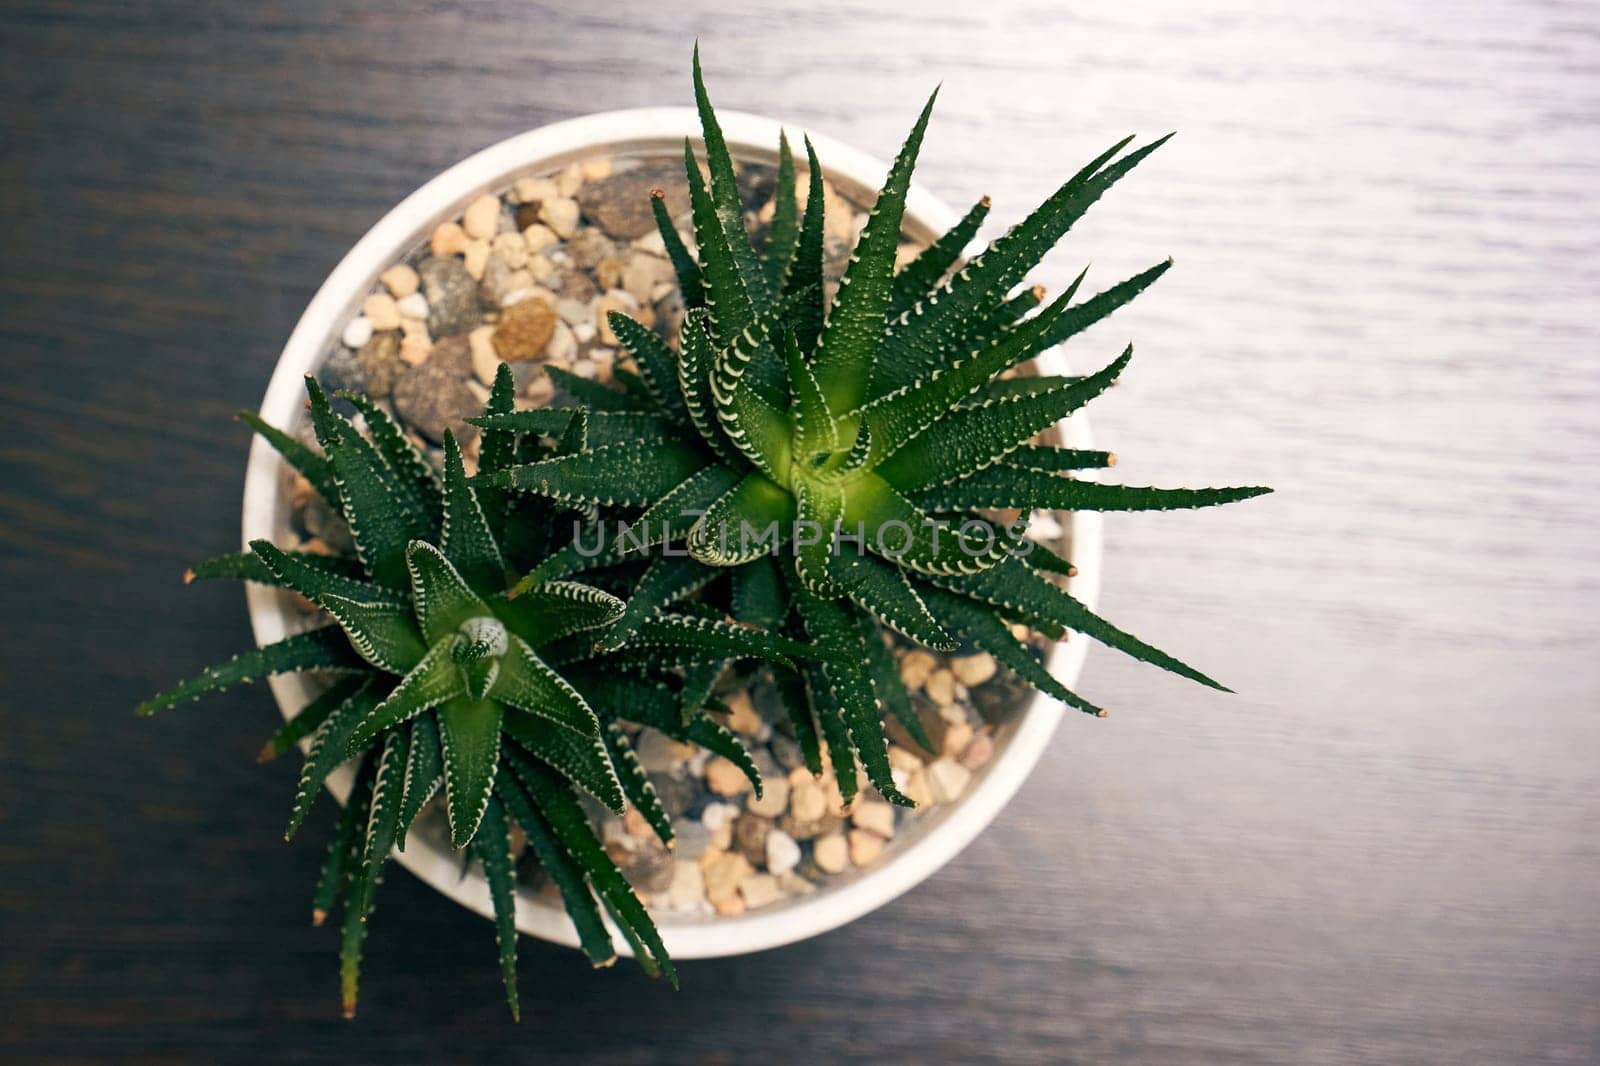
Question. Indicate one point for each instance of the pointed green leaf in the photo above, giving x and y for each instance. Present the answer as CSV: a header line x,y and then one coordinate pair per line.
x,y
805,270
668,579
414,474
1005,486
749,521
918,277
527,683
785,228
441,599
430,683
636,783
970,438
310,717
847,686
582,760
688,271
466,538
492,845
850,339
319,649
634,474
469,735
568,876
329,747
980,626
424,772
571,826
311,466
725,193
244,566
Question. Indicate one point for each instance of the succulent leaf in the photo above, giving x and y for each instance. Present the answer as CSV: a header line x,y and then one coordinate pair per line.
x,y
318,649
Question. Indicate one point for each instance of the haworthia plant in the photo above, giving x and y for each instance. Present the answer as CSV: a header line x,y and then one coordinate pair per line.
x,y
798,480
832,470
509,705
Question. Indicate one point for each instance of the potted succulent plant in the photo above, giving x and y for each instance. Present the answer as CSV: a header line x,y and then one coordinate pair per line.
x,y
798,478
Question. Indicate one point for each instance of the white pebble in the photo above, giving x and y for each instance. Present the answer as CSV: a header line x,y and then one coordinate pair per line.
x,y
357,332
535,190
874,817
413,306
783,854
717,815
561,215
949,779
562,345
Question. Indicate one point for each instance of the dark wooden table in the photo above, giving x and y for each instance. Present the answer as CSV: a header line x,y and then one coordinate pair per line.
x,y
1388,257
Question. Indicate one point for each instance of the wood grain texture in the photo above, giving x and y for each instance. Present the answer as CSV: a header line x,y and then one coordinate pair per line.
x,y
1388,257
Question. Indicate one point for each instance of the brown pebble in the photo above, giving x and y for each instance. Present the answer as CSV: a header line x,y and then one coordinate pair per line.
x,y
524,329
750,838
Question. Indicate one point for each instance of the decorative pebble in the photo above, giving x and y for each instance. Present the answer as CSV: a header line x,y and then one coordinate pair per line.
x,y
413,306
717,815
750,837
948,779
524,330
726,779
831,853
864,846
482,217
973,670
357,332
875,817
380,360
620,204
475,257
400,280
759,890
979,752
432,399
561,215
783,854
414,349
742,717
537,237
956,739
510,249
448,239
774,798
688,886
915,667
690,838
485,360
807,802
941,686
534,190
722,872
452,296
381,311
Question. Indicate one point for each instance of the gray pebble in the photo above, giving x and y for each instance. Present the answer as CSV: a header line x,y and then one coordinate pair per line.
x,y
452,296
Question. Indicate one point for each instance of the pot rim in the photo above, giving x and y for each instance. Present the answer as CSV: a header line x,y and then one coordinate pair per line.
x,y
265,515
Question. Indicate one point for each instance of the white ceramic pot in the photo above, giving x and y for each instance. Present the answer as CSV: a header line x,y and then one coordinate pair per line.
x,y
926,843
